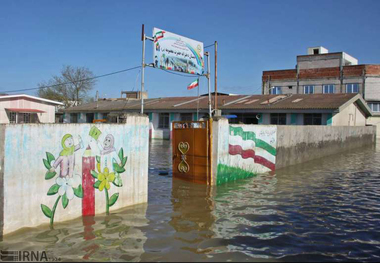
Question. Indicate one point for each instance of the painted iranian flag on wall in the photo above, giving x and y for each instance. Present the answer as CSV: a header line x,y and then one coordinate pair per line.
x,y
253,147
245,151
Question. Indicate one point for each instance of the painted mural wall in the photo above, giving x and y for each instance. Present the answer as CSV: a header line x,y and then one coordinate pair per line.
x,y
244,150
54,173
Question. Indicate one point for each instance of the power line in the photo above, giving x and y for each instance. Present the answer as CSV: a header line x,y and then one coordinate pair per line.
x,y
56,85
209,45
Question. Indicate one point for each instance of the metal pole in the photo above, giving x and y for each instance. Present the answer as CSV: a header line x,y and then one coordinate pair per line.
x,y
198,101
209,84
216,76
142,69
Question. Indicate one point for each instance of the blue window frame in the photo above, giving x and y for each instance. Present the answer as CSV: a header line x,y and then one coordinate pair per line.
x,y
309,89
352,88
276,90
328,88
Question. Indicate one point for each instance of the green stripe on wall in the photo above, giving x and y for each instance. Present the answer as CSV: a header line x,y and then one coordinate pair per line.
x,y
229,174
172,117
150,116
293,119
238,131
260,121
329,119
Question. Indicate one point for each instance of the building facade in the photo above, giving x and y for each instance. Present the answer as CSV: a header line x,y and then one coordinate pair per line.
x,y
27,109
321,72
291,109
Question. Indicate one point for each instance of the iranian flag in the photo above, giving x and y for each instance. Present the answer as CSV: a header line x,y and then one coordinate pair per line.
x,y
193,84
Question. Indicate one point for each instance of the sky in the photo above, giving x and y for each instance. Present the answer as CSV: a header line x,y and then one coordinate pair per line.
x,y
37,38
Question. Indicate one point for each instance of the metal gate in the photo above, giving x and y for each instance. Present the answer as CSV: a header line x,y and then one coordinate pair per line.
x,y
191,151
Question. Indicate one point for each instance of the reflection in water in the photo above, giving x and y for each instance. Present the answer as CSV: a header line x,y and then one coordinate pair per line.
x,y
192,214
324,210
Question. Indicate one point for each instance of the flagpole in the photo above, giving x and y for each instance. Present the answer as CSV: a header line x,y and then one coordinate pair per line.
x,y
198,101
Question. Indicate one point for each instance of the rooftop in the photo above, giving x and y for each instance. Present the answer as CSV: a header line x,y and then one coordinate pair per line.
x,y
238,102
19,96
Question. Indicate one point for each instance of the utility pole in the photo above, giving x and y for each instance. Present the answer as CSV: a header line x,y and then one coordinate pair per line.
x,y
216,77
209,84
142,69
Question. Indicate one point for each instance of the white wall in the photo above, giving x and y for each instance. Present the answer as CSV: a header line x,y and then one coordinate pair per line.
x,y
350,116
372,88
25,187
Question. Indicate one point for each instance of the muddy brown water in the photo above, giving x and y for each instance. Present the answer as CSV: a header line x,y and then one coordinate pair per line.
x,y
324,210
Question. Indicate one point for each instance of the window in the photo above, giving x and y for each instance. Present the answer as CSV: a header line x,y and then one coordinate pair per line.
x,y
24,118
90,117
316,51
375,107
74,117
12,117
308,89
186,116
275,90
312,119
328,88
163,122
244,118
352,88
278,118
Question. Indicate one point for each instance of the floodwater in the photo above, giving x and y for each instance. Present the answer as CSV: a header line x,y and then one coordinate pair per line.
x,y
324,210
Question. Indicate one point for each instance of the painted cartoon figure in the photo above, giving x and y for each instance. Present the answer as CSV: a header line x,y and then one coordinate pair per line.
x,y
108,151
66,158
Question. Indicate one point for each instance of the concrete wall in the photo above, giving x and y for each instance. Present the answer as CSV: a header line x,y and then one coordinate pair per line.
x,y
241,151
31,154
298,144
47,117
375,121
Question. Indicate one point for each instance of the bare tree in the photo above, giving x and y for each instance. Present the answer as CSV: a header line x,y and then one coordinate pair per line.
x,y
71,87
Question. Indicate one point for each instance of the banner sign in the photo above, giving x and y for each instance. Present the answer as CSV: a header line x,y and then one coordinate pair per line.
x,y
178,53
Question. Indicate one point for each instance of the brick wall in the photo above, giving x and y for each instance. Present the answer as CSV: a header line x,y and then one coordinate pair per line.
x,y
280,74
353,71
373,69
319,73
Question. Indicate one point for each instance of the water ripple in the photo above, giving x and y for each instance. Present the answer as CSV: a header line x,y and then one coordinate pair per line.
x,y
325,210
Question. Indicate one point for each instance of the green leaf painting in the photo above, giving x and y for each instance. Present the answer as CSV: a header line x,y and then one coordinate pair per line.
x,y
98,159
53,189
117,168
78,191
65,201
49,175
121,153
124,161
47,164
94,174
96,184
113,199
46,210
50,157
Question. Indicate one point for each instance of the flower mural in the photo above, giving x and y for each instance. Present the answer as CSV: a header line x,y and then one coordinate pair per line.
x,y
67,185
106,168
105,177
